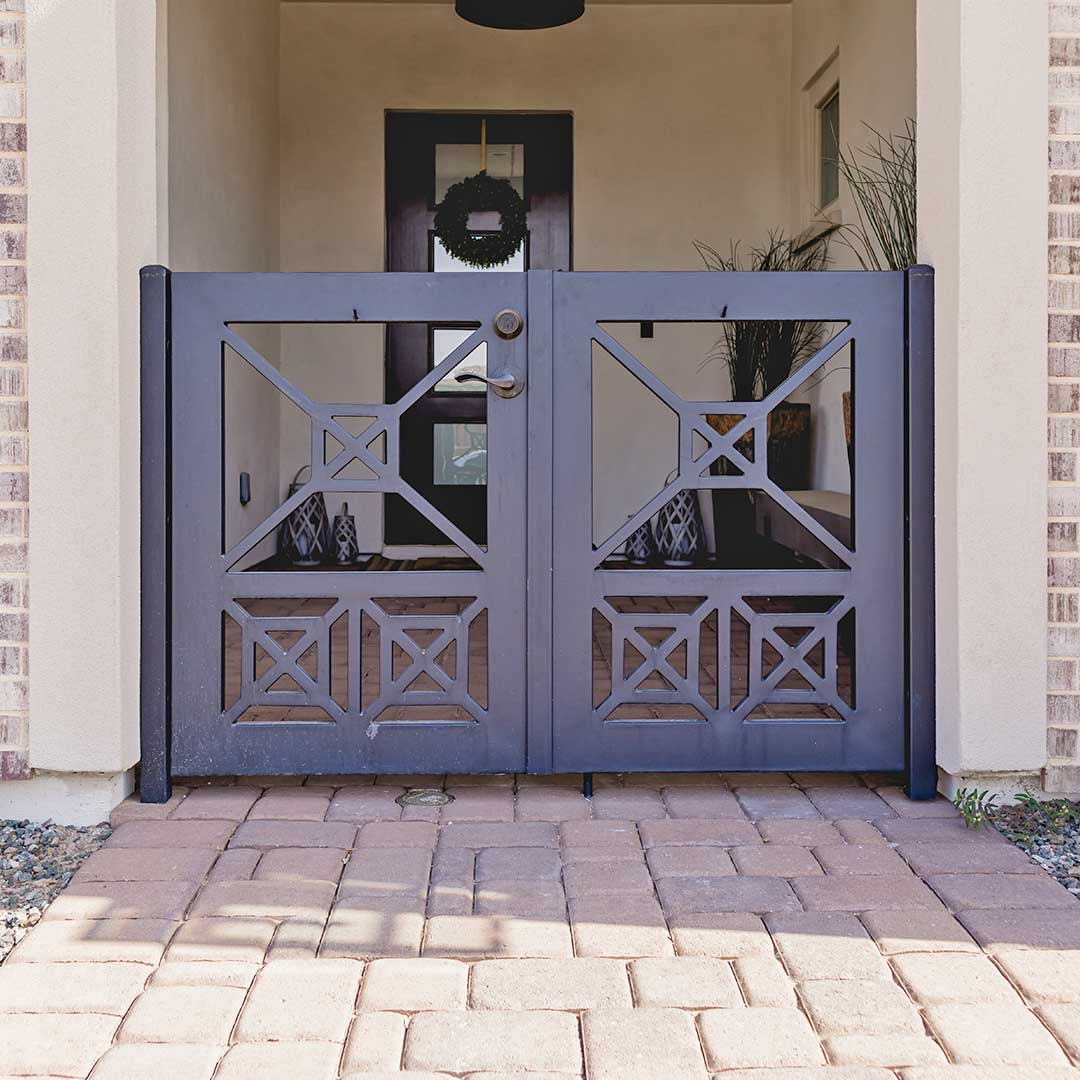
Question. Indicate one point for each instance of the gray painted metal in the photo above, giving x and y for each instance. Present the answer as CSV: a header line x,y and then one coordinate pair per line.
x,y
206,739
540,595
869,736
921,716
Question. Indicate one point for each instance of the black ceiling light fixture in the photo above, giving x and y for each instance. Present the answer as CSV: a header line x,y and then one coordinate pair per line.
x,y
520,14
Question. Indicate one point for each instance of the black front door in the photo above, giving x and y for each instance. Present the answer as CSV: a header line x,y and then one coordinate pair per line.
x,y
444,435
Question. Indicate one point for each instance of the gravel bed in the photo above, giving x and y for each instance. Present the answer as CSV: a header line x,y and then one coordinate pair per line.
x,y
37,860
1049,832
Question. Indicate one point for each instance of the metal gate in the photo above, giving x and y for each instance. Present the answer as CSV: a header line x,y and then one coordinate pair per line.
x,y
772,639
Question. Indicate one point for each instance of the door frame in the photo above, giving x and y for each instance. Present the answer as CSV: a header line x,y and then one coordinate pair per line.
x,y
409,200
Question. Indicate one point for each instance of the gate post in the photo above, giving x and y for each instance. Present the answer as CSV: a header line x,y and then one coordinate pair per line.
x,y
919,542
155,784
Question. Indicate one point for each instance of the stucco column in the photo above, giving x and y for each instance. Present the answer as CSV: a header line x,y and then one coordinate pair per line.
x,y
93,219
982,105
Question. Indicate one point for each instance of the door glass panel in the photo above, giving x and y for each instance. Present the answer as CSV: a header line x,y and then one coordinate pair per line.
x,y
444,262
444,340
455,162
461,454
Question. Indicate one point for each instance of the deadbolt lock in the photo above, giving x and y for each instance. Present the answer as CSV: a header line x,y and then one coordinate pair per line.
x,y
509,323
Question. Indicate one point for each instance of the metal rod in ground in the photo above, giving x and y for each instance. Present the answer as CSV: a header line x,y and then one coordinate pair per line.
x,y
586,785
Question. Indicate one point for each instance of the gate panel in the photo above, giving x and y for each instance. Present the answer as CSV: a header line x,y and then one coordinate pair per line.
x,y
276,669
737,661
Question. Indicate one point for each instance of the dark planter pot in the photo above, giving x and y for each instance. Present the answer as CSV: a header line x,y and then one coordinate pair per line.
x,y
789,446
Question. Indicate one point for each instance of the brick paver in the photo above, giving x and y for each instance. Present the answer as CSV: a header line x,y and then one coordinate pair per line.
x,y
735,927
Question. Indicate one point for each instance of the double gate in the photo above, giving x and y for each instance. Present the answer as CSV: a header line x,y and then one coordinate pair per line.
x,y
792,629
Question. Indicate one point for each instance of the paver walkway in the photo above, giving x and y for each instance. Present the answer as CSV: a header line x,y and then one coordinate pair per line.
x,y
746,926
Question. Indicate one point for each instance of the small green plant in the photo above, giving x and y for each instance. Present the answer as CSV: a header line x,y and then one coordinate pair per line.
x,y
975,806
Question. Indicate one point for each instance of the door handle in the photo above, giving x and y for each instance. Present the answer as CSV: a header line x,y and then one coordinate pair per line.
x,y
506,385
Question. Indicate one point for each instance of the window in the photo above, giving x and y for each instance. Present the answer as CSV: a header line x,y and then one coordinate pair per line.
x,y
829,149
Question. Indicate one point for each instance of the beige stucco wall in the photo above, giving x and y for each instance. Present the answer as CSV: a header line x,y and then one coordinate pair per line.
x,y
868,46
93,214
224,205
983,201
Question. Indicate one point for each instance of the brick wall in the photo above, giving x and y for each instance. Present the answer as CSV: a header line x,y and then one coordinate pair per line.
x,y
14,461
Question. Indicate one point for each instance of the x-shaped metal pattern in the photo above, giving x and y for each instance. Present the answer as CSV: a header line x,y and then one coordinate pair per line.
x,y
685,629
393,630
323,417
692,418
255,690
793,657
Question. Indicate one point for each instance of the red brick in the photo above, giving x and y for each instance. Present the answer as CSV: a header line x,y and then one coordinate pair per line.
x,y
300,1000
138,941
849,802
484,936
689,831
859,1007
498,834
764,982
877,860
826,945
172,834
533,864
864,894
376,1042
703,802
776,802
54,1044
758,1038
720,934
775,860
234,939
917,931
736,894
70,988
301,864
628,804
1043,977
266,899
147,864
963,892
230,803
1003,930
566,984
965,858
123,900
360,930
135,1061
183,1014
281,806
619,926
992,1034
415,985
293,834
551,804
487,1040
665,862
605,834
801,832
279,1061
949,978
684,982
641,1044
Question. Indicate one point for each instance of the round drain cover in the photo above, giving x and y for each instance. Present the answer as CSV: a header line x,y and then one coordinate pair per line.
x,y
424,797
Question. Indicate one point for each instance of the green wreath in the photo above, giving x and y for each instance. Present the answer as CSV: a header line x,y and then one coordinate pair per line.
x,y
481,192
